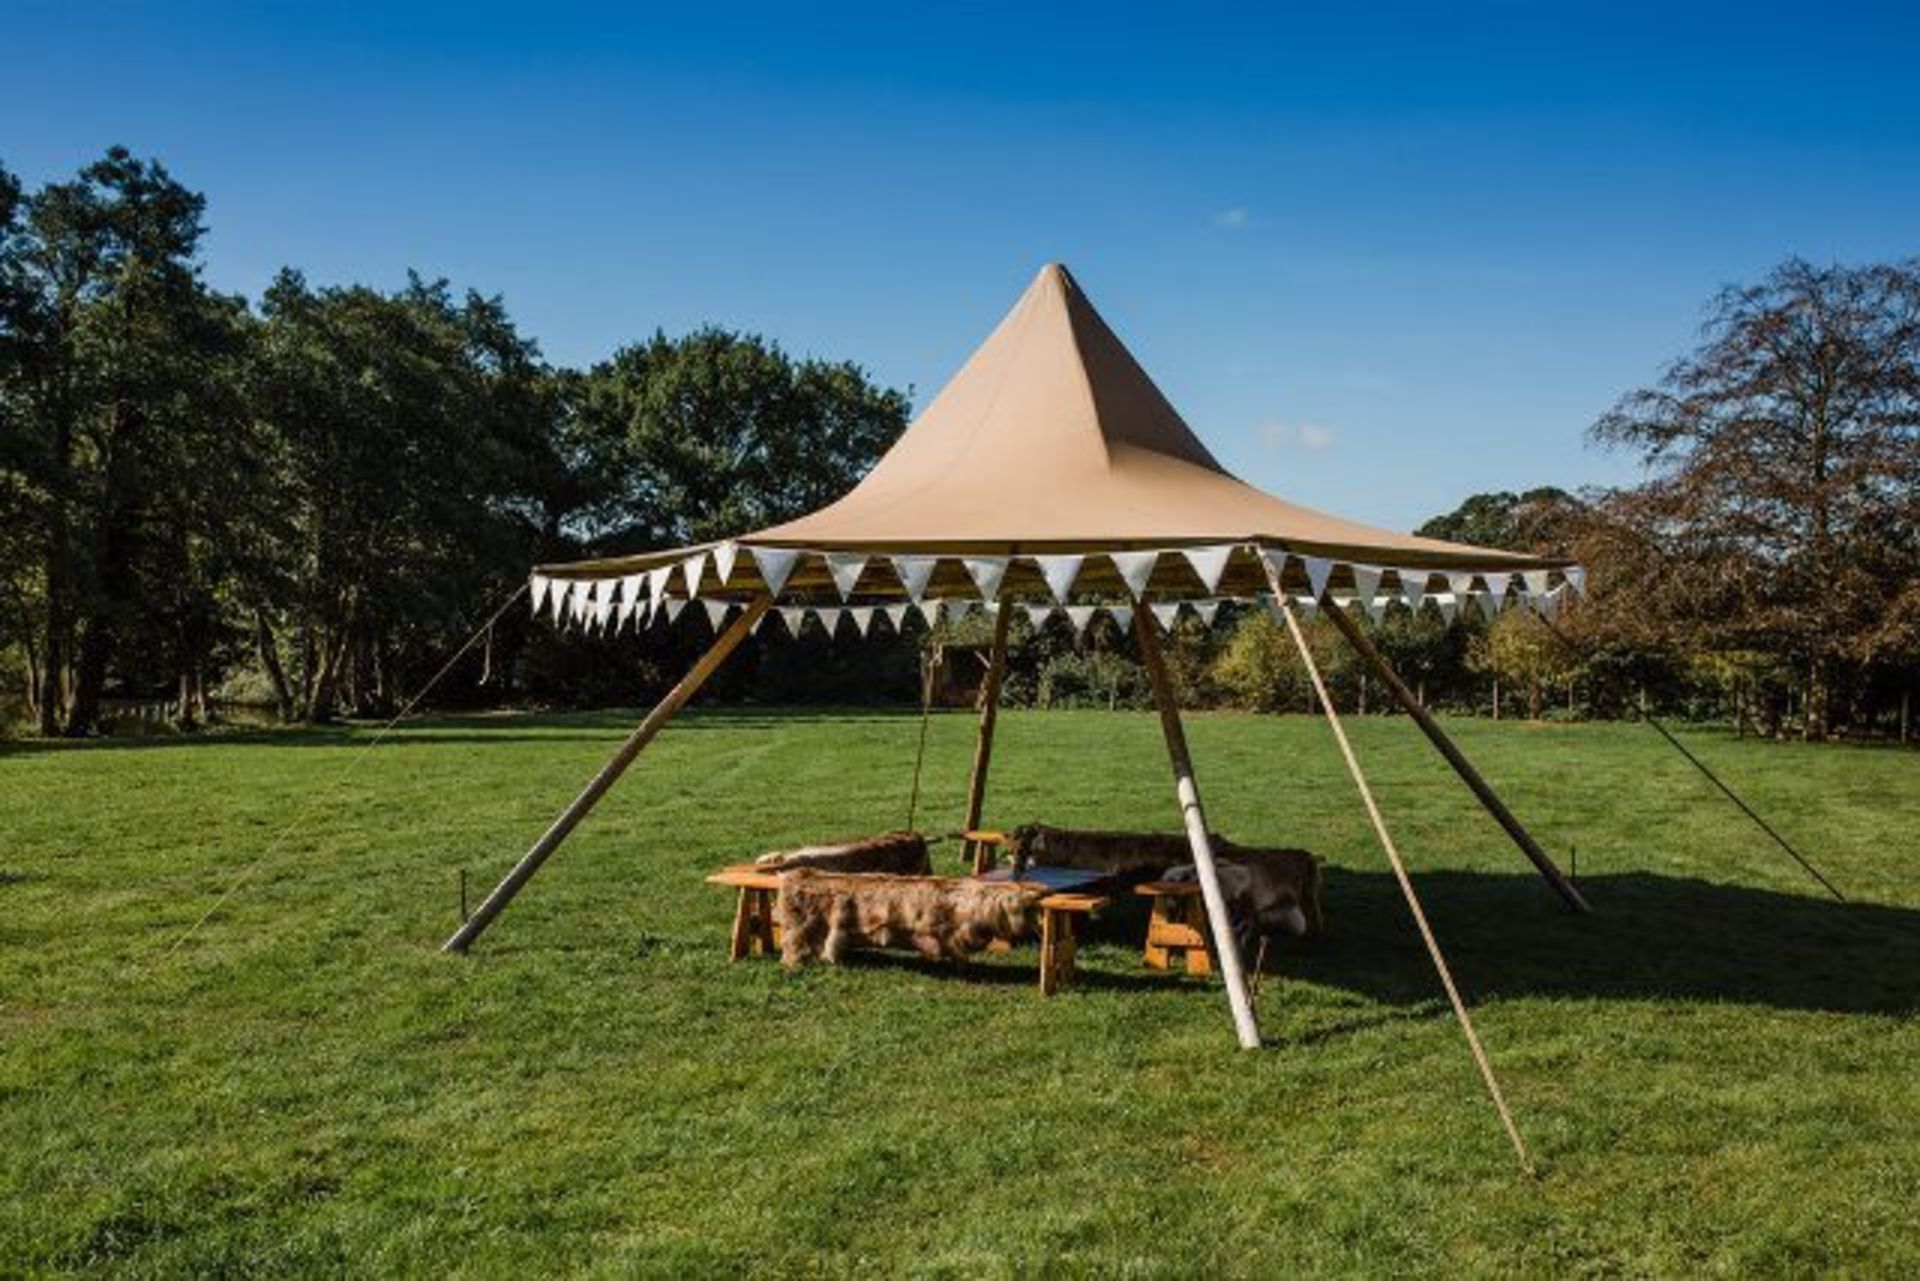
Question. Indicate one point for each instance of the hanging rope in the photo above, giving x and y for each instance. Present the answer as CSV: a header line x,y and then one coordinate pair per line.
x,y
317,799
928,669
1712,777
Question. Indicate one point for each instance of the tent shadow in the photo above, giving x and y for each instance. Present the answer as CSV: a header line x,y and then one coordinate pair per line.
x,y
1651,937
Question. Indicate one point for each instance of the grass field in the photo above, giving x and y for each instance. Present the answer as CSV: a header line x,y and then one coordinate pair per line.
x,y
1719,1072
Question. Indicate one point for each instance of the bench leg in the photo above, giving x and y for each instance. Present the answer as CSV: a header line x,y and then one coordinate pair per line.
x,y
1199,959
738,942
754,931
1057,948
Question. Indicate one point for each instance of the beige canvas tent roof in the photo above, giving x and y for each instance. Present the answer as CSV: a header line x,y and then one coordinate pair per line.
x,y
1052,440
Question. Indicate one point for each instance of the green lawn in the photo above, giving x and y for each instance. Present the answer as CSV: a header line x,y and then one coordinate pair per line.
x,y
1719,1072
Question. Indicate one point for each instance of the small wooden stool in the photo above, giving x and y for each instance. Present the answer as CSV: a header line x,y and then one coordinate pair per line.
x,y
1178,924
977,848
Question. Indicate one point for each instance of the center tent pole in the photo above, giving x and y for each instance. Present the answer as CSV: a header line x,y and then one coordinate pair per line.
x,y
1225,946
1400,874
656,720
989,715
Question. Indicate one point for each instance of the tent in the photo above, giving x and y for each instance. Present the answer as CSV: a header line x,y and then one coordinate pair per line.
x,y
1051,473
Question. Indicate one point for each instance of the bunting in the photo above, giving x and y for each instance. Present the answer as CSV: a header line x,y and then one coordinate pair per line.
x,y
723,557
1134,568
914,573
1059,571
1319,570
775,565
845,568
1209,564
987,571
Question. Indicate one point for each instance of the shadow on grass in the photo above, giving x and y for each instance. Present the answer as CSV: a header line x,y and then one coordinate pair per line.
x,y
1650,937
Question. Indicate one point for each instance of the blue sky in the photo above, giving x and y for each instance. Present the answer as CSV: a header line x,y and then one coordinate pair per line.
x,y
1380,259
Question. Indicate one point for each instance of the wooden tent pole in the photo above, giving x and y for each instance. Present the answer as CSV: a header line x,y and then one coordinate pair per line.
x,y
1461,765
1220,923
1406,884
656,720
989,715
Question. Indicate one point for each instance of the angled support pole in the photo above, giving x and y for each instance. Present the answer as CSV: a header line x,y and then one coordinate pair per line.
x,y
1454,757
663,711
1406,884
989,717
1225,946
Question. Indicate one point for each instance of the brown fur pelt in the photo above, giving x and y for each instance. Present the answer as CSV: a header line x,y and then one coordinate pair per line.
x,y
1268,891
903,853
1127,856
823,914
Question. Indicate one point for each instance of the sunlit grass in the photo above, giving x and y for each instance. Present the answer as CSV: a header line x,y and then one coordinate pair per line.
x,y
1717,1071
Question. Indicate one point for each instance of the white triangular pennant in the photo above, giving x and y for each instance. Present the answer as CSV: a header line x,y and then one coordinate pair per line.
x,y
1376,609
1167,614
776,566
537,586
623,613
987,572
794,616
1449,605
845,568
716,612
674,605
862,616
1535,582
557,601
1547,603
1576,576
691,569
1459,584
723,557
1209,563
914,573
657,580
602,609
1276,561
1307,606
1413,587
897,615
1134,568
1059,571
1488,605
1497,585
1122,616
579,600
953,610
829,618
1318,571
1080,616
1208,610
1037,615
1366,581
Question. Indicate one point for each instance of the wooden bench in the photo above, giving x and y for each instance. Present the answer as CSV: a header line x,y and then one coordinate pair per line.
x,y
756,928
1177,926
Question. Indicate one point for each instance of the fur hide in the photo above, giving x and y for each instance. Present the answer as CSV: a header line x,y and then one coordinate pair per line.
x,y
822,914
1268,891
904,853
1132,857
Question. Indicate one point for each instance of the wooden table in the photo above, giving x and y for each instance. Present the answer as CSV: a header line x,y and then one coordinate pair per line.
x,y
756,929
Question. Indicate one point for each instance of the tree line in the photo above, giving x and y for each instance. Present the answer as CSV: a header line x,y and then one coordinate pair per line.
x,y
310,499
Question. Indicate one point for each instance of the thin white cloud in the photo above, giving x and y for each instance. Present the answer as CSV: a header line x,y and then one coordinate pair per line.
x,y
1236,218
1313,438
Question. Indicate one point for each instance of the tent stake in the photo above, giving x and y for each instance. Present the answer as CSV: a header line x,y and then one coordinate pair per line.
x,y
1406,884
656,720
1218,921
1461,765
989,716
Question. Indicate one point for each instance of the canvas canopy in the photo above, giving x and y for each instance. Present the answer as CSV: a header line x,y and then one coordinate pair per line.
x,y
1050,469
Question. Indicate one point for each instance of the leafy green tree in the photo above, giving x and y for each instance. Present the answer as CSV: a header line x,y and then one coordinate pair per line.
x,y
696,438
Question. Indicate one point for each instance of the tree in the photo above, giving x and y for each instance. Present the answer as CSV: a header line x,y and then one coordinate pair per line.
x,y
696,438
1783,512
120,376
